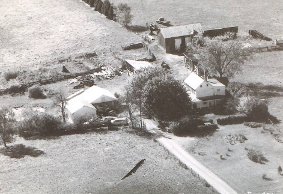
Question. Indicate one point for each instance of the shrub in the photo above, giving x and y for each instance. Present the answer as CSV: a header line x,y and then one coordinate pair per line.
x,y
20,151
10,75
39,125
255,108
186,126
17,89
36,92
256,156
234,119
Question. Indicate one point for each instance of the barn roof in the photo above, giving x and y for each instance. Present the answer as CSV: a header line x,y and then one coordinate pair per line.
x,y
92,95
74,106
194,81
137,65
184,30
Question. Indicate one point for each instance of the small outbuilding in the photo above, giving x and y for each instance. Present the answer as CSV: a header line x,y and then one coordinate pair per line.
x,y
81,105
134,66
174,39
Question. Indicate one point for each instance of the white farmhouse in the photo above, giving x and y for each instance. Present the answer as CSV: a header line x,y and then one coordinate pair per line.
x,y
204,92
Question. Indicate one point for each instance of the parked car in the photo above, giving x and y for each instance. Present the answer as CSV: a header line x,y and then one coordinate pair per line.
x,y
120,121
108,119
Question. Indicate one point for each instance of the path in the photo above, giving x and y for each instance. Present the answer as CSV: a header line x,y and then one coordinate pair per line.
x,y
218,184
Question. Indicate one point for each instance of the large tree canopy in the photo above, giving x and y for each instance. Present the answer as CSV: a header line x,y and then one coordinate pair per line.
x,y
166,99
223,58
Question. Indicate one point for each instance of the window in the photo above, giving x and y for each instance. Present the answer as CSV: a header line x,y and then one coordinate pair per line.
x,y
200,85
204,103
218,90
206,84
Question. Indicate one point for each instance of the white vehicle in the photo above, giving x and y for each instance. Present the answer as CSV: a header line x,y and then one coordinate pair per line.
x,y
120,121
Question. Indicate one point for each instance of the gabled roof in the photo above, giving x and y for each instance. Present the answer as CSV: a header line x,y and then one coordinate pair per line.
x,y
74,106
137,65
184,30
215,82
90,96
194,81
96,94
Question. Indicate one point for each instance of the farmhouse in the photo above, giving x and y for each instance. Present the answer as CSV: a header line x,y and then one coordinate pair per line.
x,y
81,105
175,39
204,92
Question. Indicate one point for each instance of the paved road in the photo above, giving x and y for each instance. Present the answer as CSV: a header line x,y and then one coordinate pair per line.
x,y
217,183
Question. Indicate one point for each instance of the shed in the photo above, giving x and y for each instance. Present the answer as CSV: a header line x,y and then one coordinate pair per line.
x,y
79,112
175,38
133,65
81,105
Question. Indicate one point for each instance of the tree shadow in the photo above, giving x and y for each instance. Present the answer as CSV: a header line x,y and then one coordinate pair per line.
x,y
20,151
264,91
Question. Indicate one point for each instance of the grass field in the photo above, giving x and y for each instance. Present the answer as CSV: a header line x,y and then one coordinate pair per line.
x,y
95,163
265,16
36,31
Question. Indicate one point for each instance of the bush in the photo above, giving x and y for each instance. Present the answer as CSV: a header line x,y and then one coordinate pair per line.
x,y
10,75
40,125
256,156
234,119
192,127
255,108
36,92
17,89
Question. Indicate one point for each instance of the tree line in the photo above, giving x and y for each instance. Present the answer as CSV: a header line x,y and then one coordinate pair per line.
x,y
120,13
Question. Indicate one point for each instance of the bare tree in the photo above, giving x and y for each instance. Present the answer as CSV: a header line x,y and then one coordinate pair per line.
x,y
60,99
223,58
124,15
6,121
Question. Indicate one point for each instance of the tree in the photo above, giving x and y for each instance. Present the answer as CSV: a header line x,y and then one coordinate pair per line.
x,y
166,99
255,108
105,7
98,5
60,99
135,89
124,15
6,121
223,58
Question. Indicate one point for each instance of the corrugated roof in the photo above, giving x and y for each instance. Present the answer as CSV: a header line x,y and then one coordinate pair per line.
x,y
194,81
137,65
184,30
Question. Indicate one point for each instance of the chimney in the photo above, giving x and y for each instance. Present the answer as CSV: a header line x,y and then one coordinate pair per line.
x,y
193,67
197,70
205,75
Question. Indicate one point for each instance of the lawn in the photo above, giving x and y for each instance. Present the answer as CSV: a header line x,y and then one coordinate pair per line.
x,y
235,167
95,163
261,15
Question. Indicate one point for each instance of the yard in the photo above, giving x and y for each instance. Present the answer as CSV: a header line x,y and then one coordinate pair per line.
x,y
230,161
95,163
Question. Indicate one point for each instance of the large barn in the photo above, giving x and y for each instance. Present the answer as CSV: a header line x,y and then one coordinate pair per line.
x,y
174,39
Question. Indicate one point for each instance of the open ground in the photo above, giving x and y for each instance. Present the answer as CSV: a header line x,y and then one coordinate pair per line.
x,y
95,163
